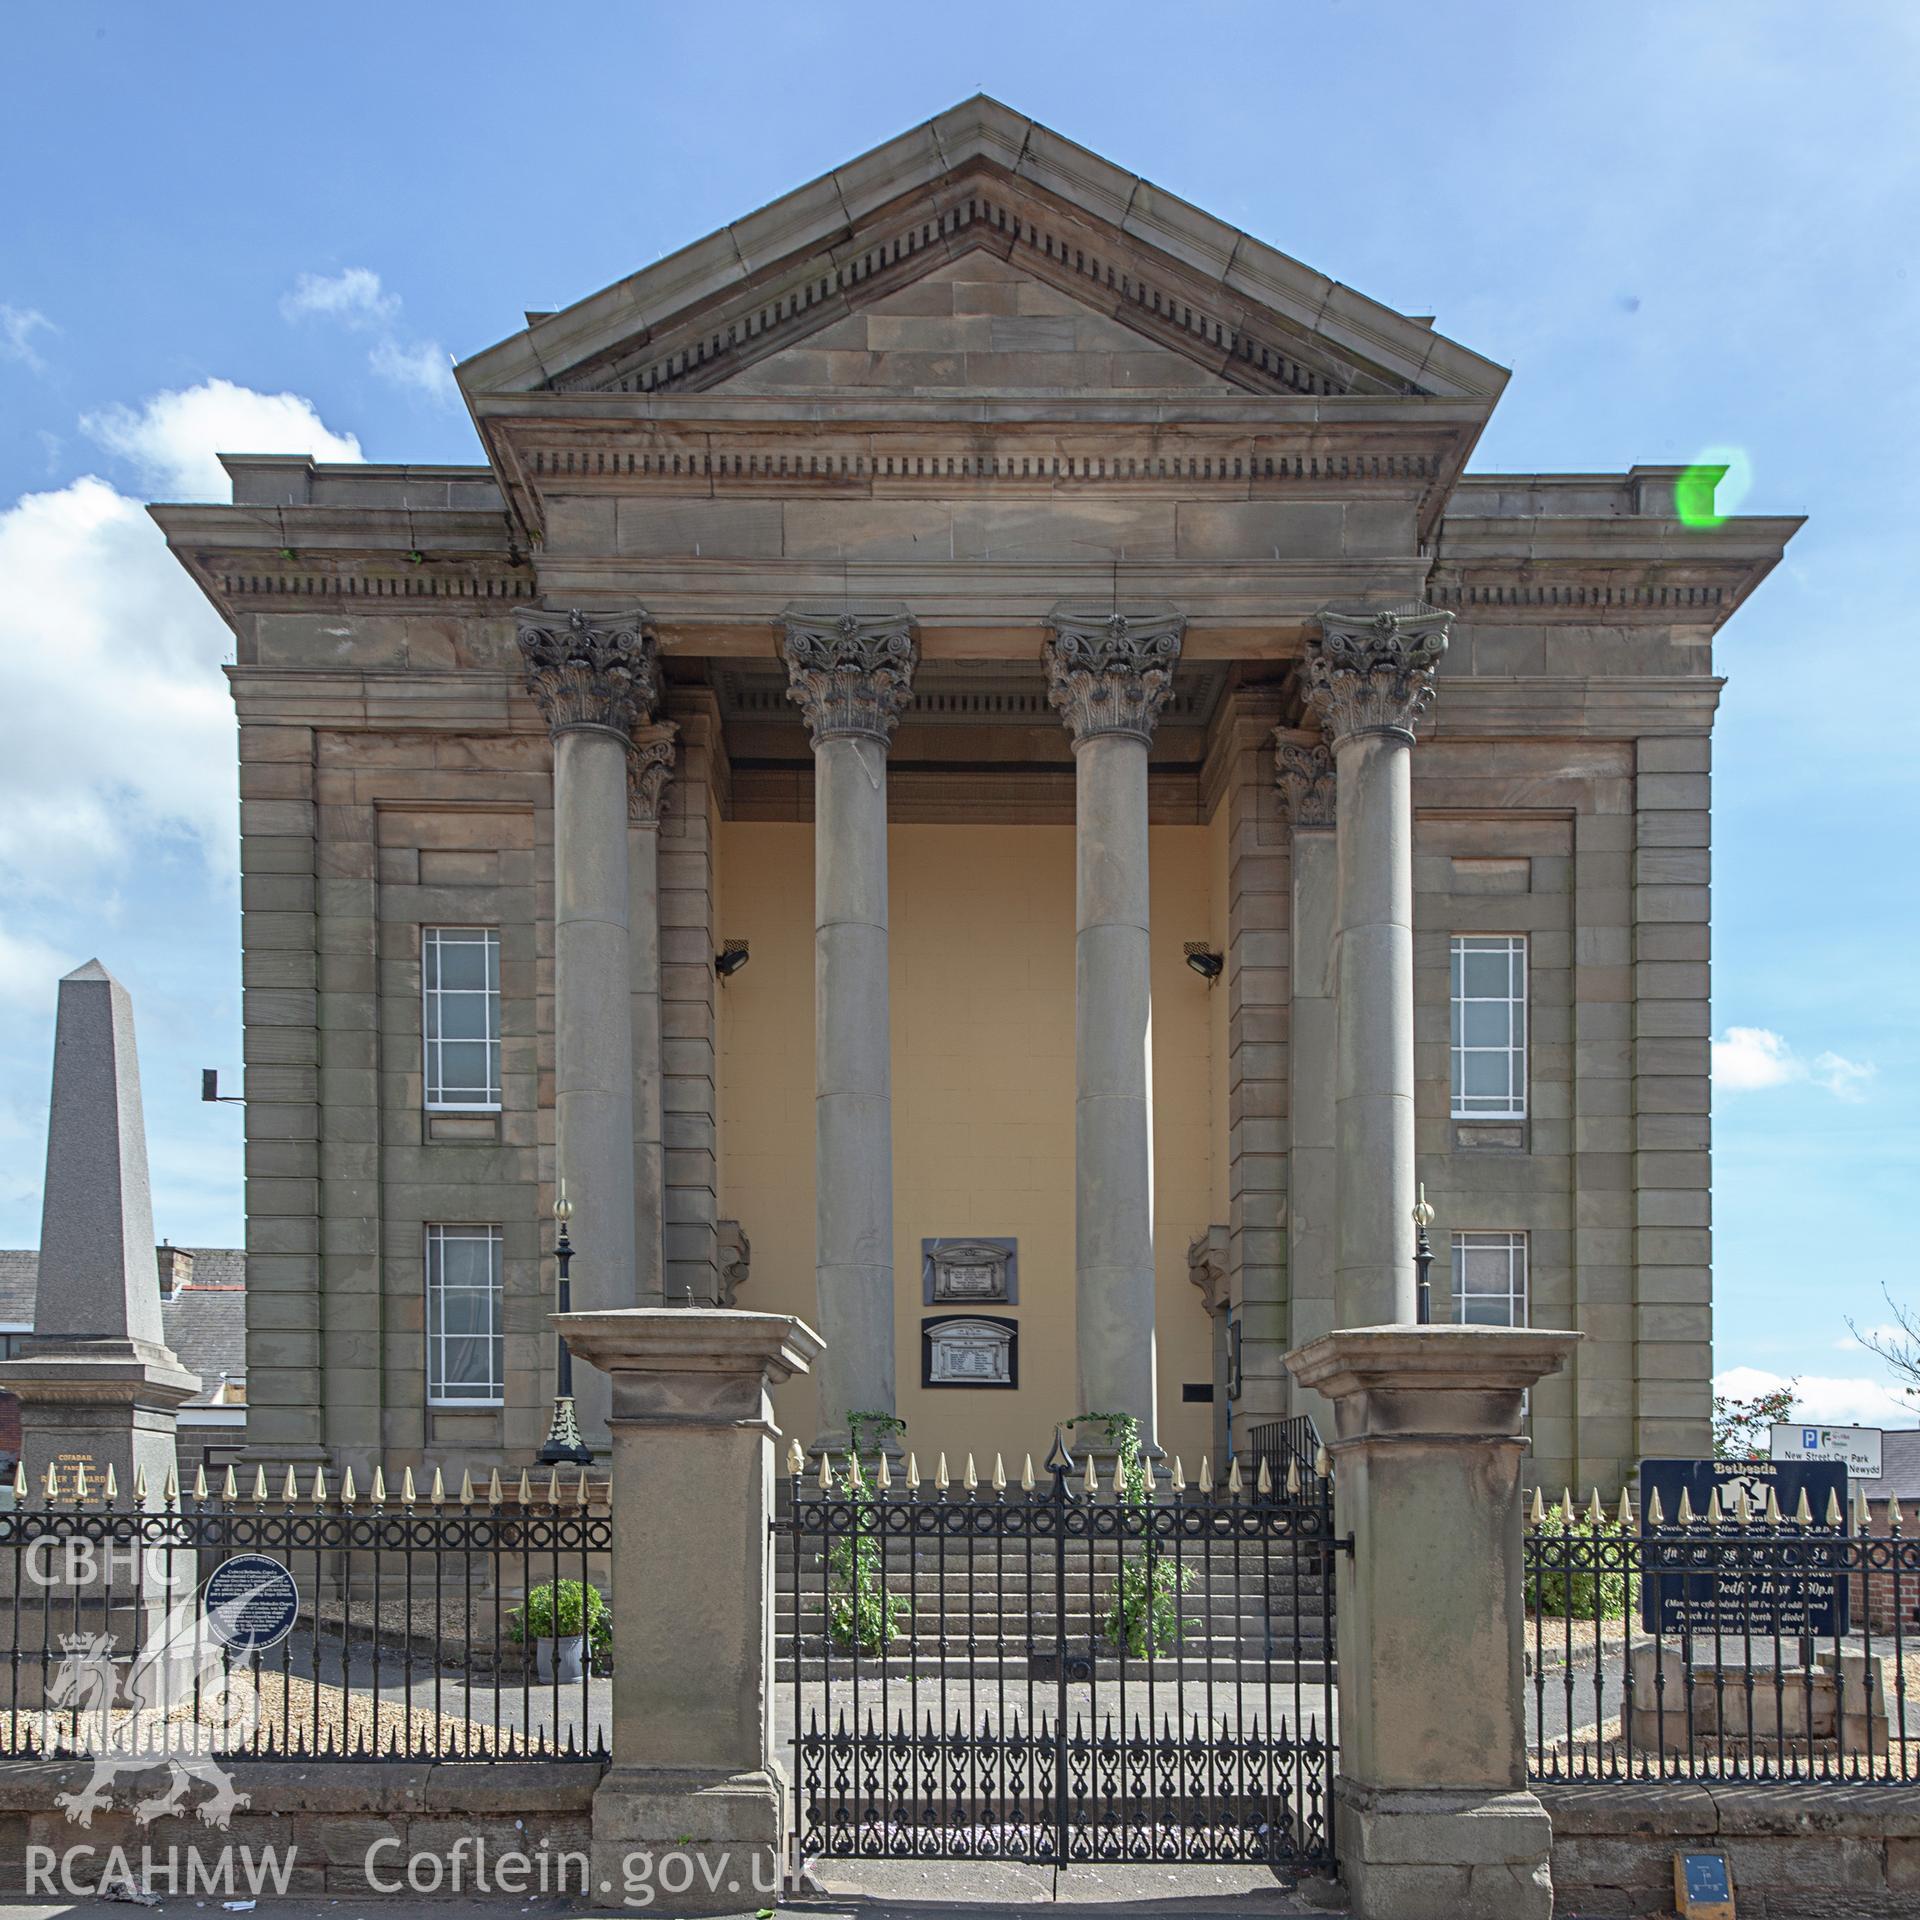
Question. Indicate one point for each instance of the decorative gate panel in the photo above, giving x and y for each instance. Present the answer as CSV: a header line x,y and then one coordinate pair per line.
x,y
1059,1673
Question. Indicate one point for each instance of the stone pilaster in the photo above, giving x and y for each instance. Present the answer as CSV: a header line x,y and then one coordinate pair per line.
x,y
1432,1809
649,768
694,1768
1369,678
1110,674
1304,782
594,676
851,675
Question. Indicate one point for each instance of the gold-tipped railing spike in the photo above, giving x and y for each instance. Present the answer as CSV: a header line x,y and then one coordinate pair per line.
x,y
437,1491
999,1474
970,1480
1179,1475
1206,1474
1684,1517
882,1473
1742,1506
1894,1519
260,1486
1293,1477
53,1483
1537,1513
1862,1513
1149,1479
113,1485
913,1473
170,1488
524,1492
1656,1516
1833,1508
139,1487
826,1471
1323,1463
1773,1506
1026,1474
553,1487
20,1480
81,1485
940,1474
348,1492
230,1486
1596,1514
1716,1517
200,1481
1566,1505
1624,1518
582,1493
1234,1488
466,1486
318,1497
290,1488
796,1457
1802,1513
1264,1484
407,1494
493,1488
1091,1479
380,1484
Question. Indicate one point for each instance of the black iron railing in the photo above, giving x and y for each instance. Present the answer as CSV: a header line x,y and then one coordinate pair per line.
x,y
467,1626
1720,1649
1059,1672
1290,1448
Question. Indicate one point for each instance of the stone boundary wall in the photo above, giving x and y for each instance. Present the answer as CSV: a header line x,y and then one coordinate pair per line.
x,y
328,1812
1832,1850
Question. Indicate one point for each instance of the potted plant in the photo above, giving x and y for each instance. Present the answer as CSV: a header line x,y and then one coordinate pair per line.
x,y
559,1617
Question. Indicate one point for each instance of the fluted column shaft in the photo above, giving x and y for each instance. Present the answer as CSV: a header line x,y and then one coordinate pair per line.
x,y
1369,678
649,769
593,676
851,676
1110,675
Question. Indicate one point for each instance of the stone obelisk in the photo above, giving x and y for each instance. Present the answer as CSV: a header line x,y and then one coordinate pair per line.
x,y
97,1384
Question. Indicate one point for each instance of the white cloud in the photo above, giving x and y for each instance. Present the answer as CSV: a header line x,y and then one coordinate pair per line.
x,y
117,726
18,325
1825,1398
354,297
173,440
1746,1059
424,368
30,971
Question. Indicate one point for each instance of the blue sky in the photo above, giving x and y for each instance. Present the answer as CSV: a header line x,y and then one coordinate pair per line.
x,y
1685,227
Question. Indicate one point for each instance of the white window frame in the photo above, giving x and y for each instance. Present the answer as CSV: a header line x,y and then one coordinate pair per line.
x,y
1519,1280
1514,947
437,1235
433,1087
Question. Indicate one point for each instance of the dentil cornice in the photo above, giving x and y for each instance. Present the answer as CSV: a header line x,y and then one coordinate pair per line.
x,y
1373,672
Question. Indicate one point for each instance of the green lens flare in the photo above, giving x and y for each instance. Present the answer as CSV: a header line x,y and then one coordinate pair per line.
x,y
1712,487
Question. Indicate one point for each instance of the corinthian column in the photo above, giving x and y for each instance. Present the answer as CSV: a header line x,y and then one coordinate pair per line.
x,y
851,676
649,768
594,675
1369,679
1110,674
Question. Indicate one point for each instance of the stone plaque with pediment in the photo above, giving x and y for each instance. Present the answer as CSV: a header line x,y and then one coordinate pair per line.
x,y
965,1272
969,1350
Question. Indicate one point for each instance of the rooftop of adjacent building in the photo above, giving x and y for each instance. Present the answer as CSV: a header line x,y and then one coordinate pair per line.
x,y
203,1308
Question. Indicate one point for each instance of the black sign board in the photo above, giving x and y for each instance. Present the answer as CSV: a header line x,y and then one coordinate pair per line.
x,y
1751,1579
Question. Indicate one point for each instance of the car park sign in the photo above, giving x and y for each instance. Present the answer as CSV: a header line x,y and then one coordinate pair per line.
x,y
1855,1448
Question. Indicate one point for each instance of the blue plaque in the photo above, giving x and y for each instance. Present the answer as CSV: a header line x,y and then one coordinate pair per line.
x,y
250,1603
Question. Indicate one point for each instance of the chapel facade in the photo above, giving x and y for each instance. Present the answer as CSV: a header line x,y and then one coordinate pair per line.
x,y
972,766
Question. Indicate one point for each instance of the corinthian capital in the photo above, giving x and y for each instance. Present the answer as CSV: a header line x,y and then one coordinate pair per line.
x,y
649,767
590,669
850,674
1373,672
1303,771
1111,672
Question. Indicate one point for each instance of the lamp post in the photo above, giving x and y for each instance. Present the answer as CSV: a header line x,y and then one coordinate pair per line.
x,y
1423,1258
564,1446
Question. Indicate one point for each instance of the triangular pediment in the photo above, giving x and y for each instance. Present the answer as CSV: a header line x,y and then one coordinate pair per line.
x,y
978,322
1127,289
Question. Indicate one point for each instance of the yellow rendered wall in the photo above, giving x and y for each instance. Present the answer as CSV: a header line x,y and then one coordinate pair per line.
x,y
982,1022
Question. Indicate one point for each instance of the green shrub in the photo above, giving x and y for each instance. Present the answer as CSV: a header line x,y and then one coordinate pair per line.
x,y
563,1610
1576,1584
1144,1612
862,1616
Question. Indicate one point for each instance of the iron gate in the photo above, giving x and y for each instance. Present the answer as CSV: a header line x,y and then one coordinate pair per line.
x,y
1059,1673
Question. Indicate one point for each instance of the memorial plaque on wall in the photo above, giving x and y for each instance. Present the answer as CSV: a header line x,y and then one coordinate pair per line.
x,y
1710,1583
969,1350
966,1272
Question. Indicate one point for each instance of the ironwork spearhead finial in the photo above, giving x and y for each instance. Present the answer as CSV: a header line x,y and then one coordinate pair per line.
x,y
1060,1460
